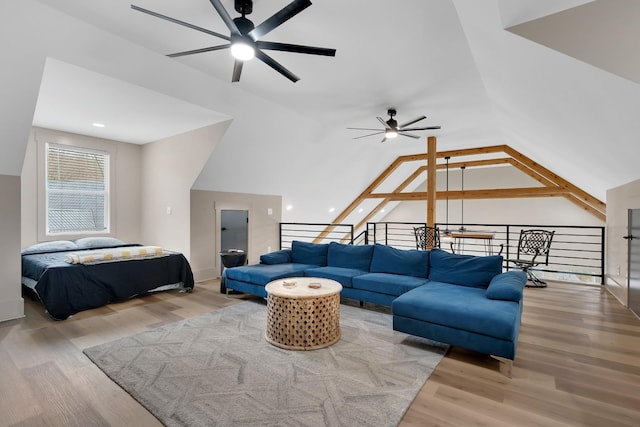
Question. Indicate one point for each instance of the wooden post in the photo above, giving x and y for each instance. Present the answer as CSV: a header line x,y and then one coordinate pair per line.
x,y
431,181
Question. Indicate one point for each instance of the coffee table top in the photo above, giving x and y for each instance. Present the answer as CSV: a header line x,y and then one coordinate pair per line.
x,y
298,287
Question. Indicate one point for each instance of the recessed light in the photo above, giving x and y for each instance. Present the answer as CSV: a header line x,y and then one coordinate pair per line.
x,y
289,207
97,125
332,209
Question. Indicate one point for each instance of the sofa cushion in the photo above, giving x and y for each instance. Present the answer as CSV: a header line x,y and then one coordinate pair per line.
x,y
464,270
507,286
460,307
387,259
261,274
339,274
386,283
277,257
309,253
357,257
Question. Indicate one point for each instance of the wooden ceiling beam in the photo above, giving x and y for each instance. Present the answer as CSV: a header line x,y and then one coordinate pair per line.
x,y
431,182
500,193
558,180
552,184
602,216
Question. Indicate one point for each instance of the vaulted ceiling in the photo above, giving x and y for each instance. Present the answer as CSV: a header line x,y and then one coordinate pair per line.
x,y
558,80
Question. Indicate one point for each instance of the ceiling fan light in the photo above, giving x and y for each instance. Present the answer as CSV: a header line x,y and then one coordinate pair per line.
x,y
390,133
242,51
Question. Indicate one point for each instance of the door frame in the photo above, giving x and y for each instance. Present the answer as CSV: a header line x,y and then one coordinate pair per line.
x,y
630,238
234,206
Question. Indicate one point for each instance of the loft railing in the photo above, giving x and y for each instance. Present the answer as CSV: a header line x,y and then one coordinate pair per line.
x,y
309,232
576,255
577,252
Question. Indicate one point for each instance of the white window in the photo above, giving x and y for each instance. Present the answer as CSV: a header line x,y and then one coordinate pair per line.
x,y
77,190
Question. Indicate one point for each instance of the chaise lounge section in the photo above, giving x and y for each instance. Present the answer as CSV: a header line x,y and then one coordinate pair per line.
x,y
462,300
467,303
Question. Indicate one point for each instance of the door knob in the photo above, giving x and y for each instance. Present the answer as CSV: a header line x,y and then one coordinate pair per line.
x,y
629,237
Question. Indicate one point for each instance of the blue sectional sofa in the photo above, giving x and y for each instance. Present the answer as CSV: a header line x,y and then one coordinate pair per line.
x,y
461,300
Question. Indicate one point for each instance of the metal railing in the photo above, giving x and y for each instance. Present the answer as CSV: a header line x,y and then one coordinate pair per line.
x,y
576,255
310,232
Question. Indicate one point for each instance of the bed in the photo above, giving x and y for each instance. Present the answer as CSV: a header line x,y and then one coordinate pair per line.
x,y
66,288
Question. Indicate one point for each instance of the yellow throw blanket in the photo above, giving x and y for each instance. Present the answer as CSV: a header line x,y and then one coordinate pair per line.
x,y
115,254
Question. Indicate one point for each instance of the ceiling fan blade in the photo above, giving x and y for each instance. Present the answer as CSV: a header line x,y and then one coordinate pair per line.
x,y
286,47
225,17
371,134
425,128
409,135
277,19
386,126
410,122
177,21
276,65
383,140
237,70
204,49
366,129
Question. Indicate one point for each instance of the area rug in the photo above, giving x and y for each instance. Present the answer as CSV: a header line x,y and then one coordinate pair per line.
x,y
217,369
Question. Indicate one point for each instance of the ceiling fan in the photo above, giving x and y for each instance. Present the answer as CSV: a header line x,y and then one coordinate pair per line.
x,y
392,129
245,38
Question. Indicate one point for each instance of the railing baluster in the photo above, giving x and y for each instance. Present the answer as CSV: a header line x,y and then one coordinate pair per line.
x,y
576,250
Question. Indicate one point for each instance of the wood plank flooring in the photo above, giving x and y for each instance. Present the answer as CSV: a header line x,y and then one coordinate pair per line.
x,y
578,364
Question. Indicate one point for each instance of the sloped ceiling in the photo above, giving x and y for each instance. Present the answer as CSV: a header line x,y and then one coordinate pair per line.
x,y
450,60
139,115
603,33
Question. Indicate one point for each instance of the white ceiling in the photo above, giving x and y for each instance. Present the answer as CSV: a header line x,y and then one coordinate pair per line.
x,y
72,99
605,34
451,60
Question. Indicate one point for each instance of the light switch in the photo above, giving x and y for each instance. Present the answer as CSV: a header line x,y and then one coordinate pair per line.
x,y
168,210
269,211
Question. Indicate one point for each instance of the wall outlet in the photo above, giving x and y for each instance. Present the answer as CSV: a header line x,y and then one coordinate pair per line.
x,y
268,249
169,210
269,211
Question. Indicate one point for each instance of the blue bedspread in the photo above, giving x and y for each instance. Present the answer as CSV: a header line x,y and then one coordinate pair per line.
x,y
66,289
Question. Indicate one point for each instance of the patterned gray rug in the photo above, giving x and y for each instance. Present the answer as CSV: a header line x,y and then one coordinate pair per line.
x,y
217,369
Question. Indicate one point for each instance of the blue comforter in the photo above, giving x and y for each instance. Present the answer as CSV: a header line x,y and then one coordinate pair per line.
x,y
66,289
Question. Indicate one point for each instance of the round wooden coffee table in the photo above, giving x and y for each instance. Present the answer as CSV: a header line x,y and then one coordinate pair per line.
x,y
301,315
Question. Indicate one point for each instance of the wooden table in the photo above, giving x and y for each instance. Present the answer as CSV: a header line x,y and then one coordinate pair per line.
x,y
300,317
460,236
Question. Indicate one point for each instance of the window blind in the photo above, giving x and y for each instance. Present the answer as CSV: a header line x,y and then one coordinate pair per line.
x,y
77,189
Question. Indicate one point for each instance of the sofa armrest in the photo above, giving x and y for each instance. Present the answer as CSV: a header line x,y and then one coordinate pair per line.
x,y
507,286
278,257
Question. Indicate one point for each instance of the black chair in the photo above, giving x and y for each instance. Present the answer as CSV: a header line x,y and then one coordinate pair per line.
x,y
427,237
533,250
230,258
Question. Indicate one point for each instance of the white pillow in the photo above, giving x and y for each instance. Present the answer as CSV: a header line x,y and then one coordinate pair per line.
x,y
98,242
52,246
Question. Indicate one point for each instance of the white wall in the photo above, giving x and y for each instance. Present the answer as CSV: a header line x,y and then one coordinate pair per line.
x,y
619,201
205,223
169,169
11,303
125,194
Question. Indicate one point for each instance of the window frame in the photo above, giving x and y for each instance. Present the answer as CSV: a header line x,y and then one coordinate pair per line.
x,y
80,143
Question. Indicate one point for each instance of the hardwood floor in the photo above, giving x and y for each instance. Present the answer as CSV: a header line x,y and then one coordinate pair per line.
x,y
578,364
